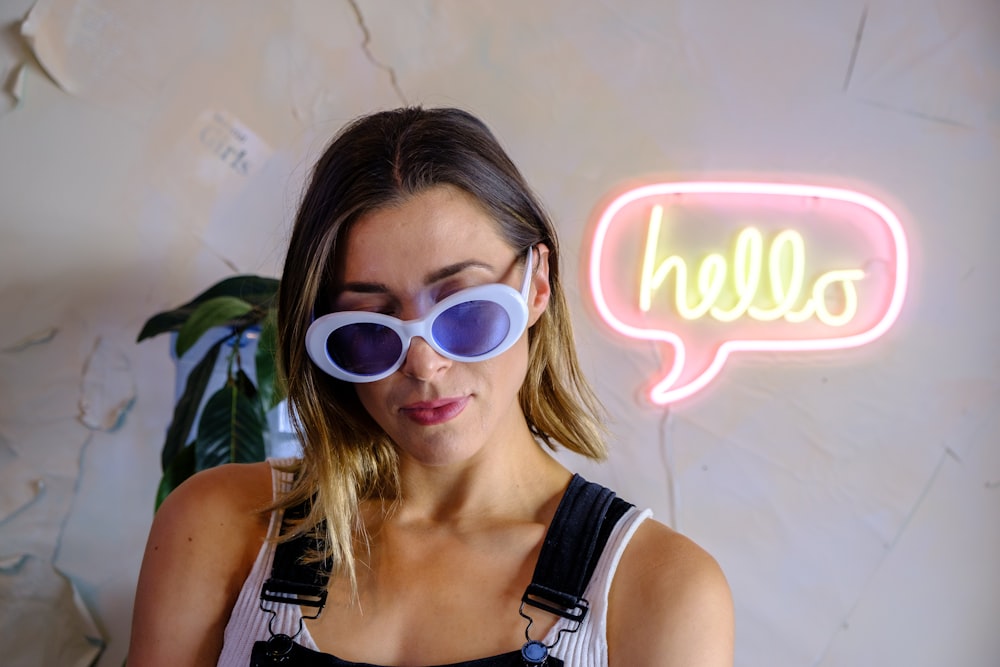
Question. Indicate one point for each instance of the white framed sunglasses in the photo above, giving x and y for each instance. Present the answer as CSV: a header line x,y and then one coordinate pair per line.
x,y
474,324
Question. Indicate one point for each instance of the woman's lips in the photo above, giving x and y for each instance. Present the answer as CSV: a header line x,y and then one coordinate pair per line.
x,y
428,413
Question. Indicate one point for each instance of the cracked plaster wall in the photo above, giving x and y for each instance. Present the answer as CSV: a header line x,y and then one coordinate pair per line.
x,y
851,497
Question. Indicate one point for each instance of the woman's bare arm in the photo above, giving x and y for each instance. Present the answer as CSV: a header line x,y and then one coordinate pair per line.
x,y
201,546
670,604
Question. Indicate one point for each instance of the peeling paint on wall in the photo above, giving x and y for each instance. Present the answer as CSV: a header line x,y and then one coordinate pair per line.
x,y
13,64
35,338
107,389
44,618
19,484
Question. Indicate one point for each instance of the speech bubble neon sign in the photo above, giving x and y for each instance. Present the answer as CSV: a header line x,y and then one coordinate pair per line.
x,y
810,268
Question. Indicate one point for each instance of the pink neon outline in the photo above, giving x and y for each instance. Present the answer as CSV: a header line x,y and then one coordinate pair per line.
x,y
661,393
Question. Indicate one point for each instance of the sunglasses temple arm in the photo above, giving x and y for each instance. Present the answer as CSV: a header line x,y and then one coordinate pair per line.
x,y
527,273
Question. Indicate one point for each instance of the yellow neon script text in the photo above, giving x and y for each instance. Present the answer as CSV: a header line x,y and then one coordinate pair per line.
x,y
786,259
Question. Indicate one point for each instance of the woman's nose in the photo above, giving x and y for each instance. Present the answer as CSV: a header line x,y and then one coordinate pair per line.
x,y
422,361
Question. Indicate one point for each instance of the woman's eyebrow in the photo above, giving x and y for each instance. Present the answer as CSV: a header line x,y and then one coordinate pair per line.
x,y
452,269
364,287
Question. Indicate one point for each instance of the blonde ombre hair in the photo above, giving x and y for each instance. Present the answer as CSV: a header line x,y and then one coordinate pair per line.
x,y
377,161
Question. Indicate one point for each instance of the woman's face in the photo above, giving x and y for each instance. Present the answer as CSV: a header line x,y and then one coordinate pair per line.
x,y
401,261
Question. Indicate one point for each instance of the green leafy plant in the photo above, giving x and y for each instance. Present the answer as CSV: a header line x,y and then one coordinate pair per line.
x,y
233,426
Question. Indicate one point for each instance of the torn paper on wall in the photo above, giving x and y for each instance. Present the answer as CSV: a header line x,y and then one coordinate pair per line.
x,y
224,148
208,165
44,619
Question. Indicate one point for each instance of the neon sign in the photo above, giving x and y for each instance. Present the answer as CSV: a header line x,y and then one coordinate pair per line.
x,y
788,248
809,268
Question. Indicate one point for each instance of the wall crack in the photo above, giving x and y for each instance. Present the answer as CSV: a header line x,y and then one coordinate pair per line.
x,y
857,47
365,46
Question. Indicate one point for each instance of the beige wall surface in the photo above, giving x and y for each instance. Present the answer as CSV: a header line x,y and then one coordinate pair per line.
x,y
852,497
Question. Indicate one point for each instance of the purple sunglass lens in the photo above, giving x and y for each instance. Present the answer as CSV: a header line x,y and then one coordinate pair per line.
x,y
364,348
472,328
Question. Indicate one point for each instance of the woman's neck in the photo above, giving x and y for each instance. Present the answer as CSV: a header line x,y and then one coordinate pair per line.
x,y
513,480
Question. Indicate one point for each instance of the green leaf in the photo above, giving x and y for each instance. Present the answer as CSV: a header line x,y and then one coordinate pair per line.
x,y
187,405
181,467
221,310
231,428
255,290
246,386
271,392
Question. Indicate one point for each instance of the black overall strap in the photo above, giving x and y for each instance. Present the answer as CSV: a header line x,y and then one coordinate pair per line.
x,y
292,580
573,544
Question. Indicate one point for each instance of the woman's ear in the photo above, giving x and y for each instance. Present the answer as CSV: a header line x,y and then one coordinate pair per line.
x,y
538,297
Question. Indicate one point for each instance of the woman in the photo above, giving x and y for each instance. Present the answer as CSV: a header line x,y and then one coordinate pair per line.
x,y
428,355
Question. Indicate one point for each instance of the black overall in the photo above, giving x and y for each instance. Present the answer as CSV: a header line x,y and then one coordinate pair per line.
x,y
573,544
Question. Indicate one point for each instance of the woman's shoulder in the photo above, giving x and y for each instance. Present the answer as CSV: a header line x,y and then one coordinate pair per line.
x,y
672,594
204,539
220,506
235,491
213,523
